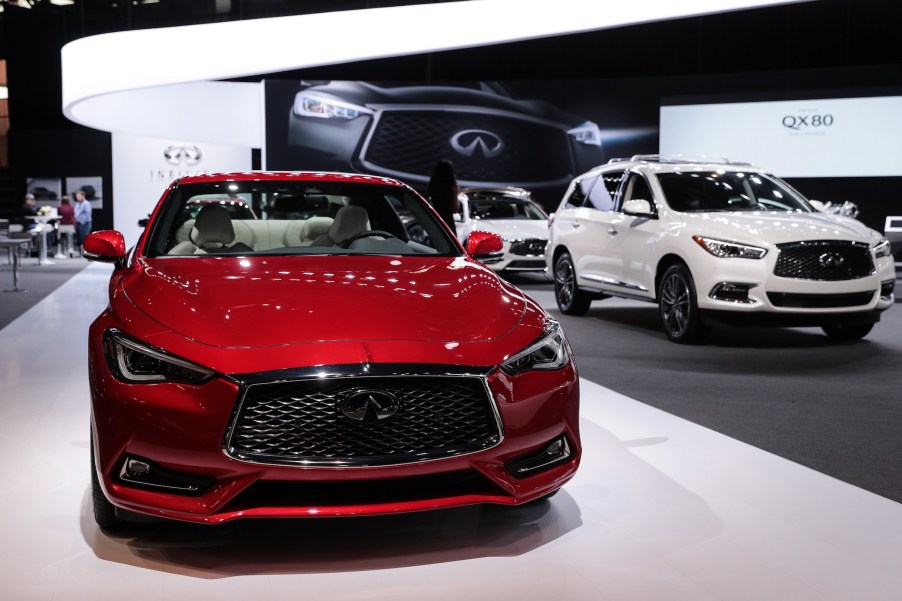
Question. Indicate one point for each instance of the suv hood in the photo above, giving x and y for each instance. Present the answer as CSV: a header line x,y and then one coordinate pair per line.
x,y
776,228
264,301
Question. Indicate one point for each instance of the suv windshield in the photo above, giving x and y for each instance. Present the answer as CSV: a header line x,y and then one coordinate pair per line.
x,y
702,191
498,208
297,217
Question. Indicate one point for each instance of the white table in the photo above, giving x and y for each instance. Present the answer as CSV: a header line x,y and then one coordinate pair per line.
x,y
45,229
15,244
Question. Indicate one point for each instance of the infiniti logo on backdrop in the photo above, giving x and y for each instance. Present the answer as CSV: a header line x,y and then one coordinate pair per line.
x,y
831,260
466,142
368,405
176,153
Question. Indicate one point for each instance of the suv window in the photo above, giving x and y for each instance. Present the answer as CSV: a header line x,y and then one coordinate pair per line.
x,y
637,187
604,193
580,192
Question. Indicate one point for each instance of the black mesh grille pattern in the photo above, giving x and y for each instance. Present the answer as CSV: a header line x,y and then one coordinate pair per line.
x,y
412,142
300,422
828,260
819,301
530,246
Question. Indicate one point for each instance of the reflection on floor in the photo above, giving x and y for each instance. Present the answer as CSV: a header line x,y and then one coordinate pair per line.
x,y
661,509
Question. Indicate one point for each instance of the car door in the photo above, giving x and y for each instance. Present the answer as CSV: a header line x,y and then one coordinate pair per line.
x,y
594,258
629,243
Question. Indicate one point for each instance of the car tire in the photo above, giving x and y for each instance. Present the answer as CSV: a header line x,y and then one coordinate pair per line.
x,y
678,305
104,511
847,331
570,299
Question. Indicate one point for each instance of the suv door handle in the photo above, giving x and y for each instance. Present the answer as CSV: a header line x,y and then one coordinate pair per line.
x,y
575,224
612,231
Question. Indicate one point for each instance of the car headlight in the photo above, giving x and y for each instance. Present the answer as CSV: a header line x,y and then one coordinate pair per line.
x,y
312,104
588,134
138,363
550,351
882,248
729,250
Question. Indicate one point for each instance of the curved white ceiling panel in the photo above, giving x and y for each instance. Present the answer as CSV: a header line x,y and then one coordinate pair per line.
x,y
160,82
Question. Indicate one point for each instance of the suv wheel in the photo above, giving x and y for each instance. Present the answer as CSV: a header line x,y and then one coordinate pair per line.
x,y
679,306
570,299
847,331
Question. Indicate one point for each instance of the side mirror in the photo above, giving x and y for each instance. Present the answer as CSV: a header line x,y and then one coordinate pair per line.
x,y
485,247
818,205
105,246
638,207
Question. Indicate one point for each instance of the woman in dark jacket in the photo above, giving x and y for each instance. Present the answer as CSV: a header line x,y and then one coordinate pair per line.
x,y
443,191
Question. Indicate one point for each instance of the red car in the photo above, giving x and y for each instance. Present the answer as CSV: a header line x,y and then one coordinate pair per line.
x,y
318,362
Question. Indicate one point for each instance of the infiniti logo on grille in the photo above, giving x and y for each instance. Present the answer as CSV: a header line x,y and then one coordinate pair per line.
x,y
368,405
831,259
466,142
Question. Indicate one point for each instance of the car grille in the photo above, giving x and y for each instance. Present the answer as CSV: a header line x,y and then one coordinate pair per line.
x,y
530,246
409,143
826,260
300,422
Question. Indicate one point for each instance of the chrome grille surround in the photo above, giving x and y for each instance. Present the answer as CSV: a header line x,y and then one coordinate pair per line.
x,y
824,260
295,419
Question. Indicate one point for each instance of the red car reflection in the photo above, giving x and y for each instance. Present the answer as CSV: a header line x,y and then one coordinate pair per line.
x,y
318,362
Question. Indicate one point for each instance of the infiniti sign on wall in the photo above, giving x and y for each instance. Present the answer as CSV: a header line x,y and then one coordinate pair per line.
x,y
839,137
143,168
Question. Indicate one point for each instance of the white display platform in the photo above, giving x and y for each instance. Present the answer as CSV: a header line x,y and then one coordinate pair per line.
x,y
660,509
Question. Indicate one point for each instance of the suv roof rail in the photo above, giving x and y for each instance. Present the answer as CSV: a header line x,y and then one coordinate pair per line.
x,y
677,158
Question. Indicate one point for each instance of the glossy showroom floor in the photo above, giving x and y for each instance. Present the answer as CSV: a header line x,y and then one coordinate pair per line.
x,y
661,509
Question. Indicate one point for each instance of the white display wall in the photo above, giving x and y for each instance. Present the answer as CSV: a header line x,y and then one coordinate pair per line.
x,y
143,168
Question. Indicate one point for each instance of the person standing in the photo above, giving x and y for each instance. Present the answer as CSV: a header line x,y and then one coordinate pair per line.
x,y
83,217
443,191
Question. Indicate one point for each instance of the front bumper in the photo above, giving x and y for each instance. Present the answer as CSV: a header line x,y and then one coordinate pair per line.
x,y
182,430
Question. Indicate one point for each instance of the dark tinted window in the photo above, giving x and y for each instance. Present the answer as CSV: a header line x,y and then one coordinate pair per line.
x,y
580,192
604,193
701,191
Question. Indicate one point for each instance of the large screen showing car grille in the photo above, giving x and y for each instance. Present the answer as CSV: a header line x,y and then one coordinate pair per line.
x,y
363,421
485,147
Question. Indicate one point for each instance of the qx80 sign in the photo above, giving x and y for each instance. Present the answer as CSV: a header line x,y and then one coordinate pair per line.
x,y
798,122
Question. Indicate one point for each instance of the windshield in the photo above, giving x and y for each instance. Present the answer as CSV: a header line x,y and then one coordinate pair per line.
x,y
296,218
505,209
703,191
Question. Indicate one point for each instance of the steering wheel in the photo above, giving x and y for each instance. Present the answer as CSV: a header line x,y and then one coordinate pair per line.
x,y
367,234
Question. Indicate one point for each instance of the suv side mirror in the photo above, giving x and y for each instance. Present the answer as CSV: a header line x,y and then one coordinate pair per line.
x,y
818,205
638,207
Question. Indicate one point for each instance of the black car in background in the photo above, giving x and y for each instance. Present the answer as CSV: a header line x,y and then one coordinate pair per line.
x,y
493,139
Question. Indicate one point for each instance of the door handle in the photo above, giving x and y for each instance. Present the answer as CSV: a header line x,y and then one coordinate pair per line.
x,y
612,231
575,224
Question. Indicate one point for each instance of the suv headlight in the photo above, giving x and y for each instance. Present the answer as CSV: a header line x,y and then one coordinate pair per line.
x,y
882,248
323,106
550,351
137,363
729,250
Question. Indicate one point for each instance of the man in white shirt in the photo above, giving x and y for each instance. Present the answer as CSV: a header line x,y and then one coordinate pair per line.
x,y
83,215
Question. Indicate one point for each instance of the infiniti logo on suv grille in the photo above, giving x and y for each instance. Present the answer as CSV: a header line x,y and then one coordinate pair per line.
x,y
831,259
466,142
368,405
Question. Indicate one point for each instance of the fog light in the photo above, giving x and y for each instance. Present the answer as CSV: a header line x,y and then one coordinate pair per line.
x,y
886,289
731,292
136,468
555,452
145,474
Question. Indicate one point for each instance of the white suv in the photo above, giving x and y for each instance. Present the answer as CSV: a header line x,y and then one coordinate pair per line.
x,y
715,242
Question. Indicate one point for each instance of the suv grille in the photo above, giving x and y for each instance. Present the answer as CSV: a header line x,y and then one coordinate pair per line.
x,y
827,260
300,422
411,142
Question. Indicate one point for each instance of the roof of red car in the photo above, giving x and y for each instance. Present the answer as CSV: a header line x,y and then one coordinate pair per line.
x,y
303,176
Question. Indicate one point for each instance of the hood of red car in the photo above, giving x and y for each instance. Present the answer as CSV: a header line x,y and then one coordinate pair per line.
x,y
275,300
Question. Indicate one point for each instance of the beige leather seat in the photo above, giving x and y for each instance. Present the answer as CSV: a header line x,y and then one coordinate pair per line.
x,y
349,221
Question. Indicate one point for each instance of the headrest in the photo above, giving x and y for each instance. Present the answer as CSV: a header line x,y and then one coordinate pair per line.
x,y
349,221
213,226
